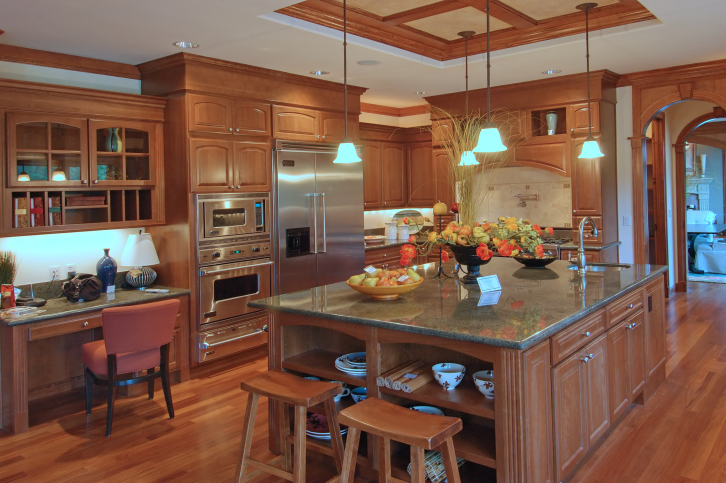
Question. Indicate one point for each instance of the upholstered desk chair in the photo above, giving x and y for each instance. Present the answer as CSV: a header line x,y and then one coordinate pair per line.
x,y
136,338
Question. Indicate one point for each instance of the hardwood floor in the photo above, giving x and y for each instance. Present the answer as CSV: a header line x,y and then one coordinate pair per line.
x,y
680,436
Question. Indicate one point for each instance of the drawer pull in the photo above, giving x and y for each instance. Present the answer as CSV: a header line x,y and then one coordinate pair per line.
x,y
206,345
586,334
630,306
631,326
585,359
85,324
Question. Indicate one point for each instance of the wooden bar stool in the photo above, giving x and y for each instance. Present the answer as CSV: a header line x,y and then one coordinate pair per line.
x,y
302,393
390,422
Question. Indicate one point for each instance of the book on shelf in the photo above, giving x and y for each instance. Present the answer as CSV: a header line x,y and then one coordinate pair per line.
x,y
20,212
36,211
54,211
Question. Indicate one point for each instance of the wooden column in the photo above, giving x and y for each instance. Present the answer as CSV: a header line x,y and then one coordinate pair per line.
x,y
14,368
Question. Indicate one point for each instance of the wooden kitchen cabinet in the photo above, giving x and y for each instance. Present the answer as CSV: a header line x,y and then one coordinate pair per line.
x,y
586,179
580,404
384,257
228,116
332,127
550,153
393,175
626,351
132,162
421,177
440,131
219,166
295,124
655,327
372,194
444,184
578,118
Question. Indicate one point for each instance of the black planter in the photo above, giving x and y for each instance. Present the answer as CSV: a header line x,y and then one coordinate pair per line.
x,y
466,255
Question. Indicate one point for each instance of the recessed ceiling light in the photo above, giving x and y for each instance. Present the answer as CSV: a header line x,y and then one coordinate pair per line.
x,y
419,93
551,71
319,72
368,62
185,45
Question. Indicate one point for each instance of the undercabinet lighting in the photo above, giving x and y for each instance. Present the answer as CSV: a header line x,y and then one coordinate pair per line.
x,y
550,72
185,45
319,72
368,62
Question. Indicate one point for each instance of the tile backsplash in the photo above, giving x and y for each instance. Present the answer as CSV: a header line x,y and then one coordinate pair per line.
x,y
554,207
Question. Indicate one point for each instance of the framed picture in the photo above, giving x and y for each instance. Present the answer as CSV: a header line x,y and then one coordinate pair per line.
x,y
690,156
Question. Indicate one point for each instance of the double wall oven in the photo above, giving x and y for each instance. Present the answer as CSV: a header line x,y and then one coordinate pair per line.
x,y
235,266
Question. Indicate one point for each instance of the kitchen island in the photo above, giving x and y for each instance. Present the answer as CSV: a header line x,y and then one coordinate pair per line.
x,y
569,355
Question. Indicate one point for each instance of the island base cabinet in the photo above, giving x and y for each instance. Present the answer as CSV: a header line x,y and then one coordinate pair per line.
x,y
626,353
580,404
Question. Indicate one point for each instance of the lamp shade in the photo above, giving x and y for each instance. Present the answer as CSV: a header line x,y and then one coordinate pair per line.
x,y
489,140
139,251
590,149
58,175
23,176
346,153
468,159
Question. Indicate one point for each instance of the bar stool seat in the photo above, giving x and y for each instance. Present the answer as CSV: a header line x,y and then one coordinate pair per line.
x,y
302,393
388,422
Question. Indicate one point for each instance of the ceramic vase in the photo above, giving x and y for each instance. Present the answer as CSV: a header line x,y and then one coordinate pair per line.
x,y
551,118
113,142
466,255
106,270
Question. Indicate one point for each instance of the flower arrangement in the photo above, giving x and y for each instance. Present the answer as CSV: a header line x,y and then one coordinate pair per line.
x,y
509,236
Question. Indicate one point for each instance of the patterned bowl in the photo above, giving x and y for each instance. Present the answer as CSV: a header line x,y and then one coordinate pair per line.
x,y
386,293
448,374
484,381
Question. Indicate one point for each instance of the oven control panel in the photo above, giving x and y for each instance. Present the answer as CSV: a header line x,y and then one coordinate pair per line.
x,y
234,252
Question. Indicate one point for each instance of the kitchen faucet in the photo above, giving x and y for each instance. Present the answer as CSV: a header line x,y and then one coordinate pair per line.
x,y
581,260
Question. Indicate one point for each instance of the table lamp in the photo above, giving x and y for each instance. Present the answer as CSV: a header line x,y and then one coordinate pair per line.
x,y
139,252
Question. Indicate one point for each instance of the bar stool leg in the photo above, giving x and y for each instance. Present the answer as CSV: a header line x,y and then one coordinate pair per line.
x,y
331,414
418,472
452,468
247,430
384,459
285,448
347,473
298,464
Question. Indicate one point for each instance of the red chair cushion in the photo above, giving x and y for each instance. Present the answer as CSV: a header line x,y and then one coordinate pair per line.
x,y
95,358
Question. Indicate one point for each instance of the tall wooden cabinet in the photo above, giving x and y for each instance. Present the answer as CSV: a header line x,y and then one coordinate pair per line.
x,y
393,175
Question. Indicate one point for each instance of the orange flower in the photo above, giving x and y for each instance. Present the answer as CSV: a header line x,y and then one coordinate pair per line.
x,y
483,252
539,250
405,221
444,256
549,230
412,239
505,249
408,251
405,260
517,304
536,228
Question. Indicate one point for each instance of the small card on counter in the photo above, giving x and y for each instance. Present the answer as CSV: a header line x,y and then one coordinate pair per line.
x,y
111,289
370,269
489,298
489,283
403,278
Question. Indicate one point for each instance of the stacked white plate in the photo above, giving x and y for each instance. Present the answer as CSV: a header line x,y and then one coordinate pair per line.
x,y
317,427
325,435
353,363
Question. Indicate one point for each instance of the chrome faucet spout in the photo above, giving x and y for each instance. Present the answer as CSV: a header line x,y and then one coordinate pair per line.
x,y
581,260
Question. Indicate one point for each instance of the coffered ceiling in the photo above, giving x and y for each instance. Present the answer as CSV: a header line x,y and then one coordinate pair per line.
x,y
430,27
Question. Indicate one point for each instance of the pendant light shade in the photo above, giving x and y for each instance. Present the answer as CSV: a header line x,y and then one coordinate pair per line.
x,y
346,150
23,176
58,175
346,153
468,159
490,141
590,148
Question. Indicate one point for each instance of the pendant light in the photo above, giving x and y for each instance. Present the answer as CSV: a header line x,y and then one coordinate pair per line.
x,y
490,141
23,176
467,157
346,150
590,148
58,175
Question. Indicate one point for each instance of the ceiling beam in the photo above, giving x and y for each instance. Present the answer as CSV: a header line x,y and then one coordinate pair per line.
x,y
503,12
423,12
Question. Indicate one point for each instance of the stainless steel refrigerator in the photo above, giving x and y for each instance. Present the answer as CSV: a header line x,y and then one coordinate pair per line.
x,y
318,217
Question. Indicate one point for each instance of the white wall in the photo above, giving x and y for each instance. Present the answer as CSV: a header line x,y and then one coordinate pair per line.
x,y
405,121
624,130
37,253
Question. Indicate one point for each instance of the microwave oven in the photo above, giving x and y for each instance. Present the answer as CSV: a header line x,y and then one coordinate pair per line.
x,y
227,216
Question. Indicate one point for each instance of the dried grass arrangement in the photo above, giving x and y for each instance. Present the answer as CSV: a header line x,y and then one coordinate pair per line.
x,y
471,183
8,267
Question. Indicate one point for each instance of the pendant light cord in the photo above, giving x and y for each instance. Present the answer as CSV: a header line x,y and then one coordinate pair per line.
x,y
489,68
466,75
587,56
345,64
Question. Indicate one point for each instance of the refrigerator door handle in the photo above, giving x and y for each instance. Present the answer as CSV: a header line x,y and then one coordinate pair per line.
x,y
314,208
325,234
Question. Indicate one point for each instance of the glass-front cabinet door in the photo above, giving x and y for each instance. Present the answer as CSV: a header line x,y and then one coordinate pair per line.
x,y
123,153
47,151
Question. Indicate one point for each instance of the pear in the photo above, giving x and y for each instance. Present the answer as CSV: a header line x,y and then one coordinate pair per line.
x,y
393,281
384,282
413,275
374,274
357,279
370,282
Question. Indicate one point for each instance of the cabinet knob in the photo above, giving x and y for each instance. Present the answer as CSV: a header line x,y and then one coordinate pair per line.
x,y
230,129
323,137
231,187
318,136
84,181
585,359
95,181
574,211
237,130
85,324
586,334
385,202
630,306
591,356
239,186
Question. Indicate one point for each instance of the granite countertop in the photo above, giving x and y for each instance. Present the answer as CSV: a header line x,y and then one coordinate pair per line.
x,y
385,243
575,246
533,305
61,307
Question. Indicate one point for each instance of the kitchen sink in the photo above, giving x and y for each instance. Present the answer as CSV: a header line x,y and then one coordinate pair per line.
x,y
602,267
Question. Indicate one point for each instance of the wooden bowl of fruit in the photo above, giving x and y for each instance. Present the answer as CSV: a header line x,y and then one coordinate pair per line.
x,y
385,284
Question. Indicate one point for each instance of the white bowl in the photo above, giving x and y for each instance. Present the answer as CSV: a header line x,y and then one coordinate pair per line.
x,y
427,410
484,381
448,374
358,394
